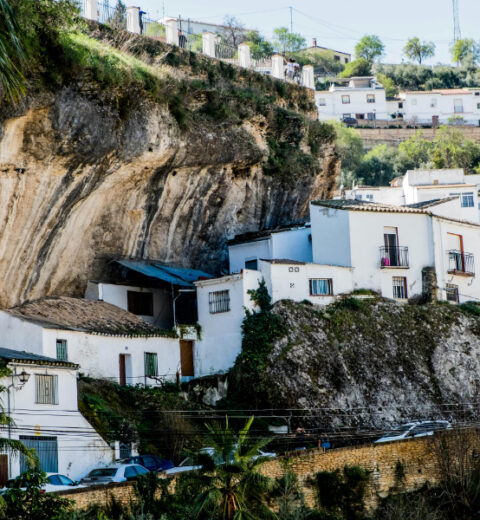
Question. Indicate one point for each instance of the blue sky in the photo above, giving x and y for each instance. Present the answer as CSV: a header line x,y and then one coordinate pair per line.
x,y
339,23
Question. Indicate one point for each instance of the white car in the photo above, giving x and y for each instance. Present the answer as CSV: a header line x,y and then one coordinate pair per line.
x,y
188,464
59,482
415,429
114,473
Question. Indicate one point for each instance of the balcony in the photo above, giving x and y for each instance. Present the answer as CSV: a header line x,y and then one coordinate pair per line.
x,y
461,263
394,257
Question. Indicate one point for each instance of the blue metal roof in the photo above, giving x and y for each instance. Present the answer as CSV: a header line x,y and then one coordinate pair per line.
x,y
21,355
174,275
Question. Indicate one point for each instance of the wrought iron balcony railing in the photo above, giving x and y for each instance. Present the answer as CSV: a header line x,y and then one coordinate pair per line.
x,y
393,256
461,263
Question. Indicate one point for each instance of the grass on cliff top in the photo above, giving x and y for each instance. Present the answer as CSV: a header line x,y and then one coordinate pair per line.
x,y
110,66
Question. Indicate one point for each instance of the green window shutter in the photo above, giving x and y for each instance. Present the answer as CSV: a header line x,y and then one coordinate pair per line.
x,y
46,389
62,354
151,364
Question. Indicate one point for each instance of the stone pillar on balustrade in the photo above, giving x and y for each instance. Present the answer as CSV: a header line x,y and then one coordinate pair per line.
x,y
171,31
244,59
91,10
277,67
133,19
308,78
209,40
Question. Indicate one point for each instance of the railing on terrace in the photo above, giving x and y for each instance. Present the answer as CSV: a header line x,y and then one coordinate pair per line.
x,y
461,263
177,32
393,256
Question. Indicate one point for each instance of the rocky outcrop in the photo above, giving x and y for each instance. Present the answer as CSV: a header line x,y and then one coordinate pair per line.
x,y
81,183
374,363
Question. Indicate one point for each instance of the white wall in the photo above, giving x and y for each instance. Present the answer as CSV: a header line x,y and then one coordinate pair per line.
x,y
422,106
98,355
382,194
20,334
116,294
335,109
80,448
330,236
366,235
291,281
221,333
468,286
439,176
291,244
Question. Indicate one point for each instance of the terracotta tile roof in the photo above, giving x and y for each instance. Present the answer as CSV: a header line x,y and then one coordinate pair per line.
x,y
91,316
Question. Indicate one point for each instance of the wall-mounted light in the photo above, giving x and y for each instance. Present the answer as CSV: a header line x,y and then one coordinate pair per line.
x,y
23,377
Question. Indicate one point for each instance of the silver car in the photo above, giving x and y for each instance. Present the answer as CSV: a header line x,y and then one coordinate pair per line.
x,y
114,473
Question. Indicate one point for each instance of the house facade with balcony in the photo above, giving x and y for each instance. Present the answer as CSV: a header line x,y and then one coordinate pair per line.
x,y
391,250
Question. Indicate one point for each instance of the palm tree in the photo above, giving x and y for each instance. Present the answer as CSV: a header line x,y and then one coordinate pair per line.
x,y
234,489
11,54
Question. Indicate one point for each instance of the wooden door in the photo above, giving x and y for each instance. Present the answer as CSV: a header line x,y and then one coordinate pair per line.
x,y
186,358
123,378
3,469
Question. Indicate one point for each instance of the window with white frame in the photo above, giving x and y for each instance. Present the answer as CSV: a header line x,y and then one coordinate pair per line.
x,y
370,98
151,364
62,354
345,99
371,116
359,196
458,106
46,389
369,196
467,200
400,287
322,102
321,287
219,301
452,292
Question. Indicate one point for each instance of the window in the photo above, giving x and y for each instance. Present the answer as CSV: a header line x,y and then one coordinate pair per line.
x,y
151,364
321,287
346,116
219,301
358,196
457,106
400,105
336,58
140,303
400,287
130,472
345,100
467,200
370,98
46,389
346,60
62,354
251,264
369,196
477,93
478,106
371,116
322,102
452,292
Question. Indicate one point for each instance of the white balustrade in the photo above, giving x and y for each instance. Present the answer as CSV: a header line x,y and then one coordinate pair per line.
x,y
244,59
208,44
171,31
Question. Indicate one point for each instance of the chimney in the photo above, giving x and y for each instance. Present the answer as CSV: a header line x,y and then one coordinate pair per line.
x,y
314,42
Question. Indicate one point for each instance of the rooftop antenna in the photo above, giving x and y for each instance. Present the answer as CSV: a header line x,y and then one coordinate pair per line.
x,y
456,22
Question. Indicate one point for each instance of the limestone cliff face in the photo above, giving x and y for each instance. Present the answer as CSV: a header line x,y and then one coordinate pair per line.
x,y
375,363
79,185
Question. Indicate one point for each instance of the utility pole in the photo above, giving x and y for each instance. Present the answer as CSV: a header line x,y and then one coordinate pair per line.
x,y
291,19
456,22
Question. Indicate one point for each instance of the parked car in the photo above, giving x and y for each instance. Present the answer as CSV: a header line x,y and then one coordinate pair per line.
x,y
350,121
415,429
151,462
55,482
114,473
189,464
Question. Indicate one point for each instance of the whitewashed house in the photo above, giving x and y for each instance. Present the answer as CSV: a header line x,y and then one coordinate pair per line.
x,y
441,106
41,398
104,340
420,186
362,98
395,251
